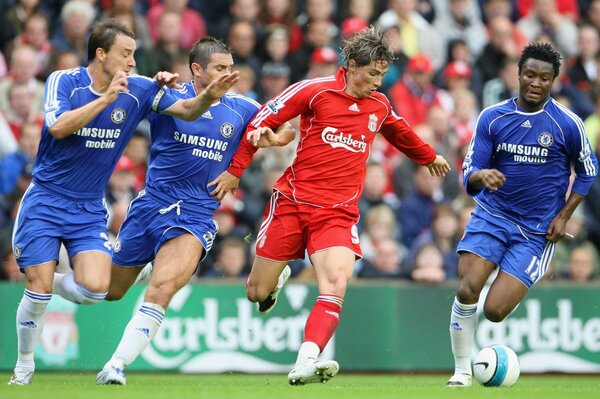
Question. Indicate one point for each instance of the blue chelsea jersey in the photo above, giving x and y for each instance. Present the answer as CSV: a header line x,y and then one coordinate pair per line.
x,y
535,151
79,166
186,156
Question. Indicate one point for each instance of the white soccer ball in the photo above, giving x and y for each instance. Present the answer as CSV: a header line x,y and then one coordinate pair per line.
x,y
496,366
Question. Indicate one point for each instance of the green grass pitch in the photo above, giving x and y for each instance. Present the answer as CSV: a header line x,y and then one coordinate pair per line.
x,y
260,386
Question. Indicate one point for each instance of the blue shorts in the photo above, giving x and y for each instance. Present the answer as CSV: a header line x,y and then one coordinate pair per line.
x,y
151,221
45,220
521,254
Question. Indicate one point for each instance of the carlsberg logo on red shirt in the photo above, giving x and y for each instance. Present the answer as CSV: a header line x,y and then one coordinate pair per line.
x,y
337,139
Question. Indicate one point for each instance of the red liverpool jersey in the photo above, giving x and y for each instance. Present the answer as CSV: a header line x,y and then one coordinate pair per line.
x,y
336,134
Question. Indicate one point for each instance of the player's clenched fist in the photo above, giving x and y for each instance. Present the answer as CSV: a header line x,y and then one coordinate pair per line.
x,y
117,85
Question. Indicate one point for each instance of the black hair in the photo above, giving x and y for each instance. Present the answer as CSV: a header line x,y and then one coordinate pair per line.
x,y
543,52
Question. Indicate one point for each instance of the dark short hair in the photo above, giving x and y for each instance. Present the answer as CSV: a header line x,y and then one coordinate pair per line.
x,y
367,46
543,52
104,35
204,48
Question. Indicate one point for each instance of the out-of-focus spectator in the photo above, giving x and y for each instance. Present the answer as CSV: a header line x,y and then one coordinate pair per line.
x,y
317,35
76,18
351,26
583,264
62,60
181,66
277,44
428,265
592,122
20,110
138,151
458,24
8,142
416,209
567,8
274,78
583,70
318,10
168,46
377,190
240,10
418,35
12,165
414,93
545,17
12,20
242,39
444,233
36,34
497,8
282,12
578,101
246,82
505,86
231,260
501,44
361,9
464,117
457,76
22,70
386,262
323,62
379,224
192,24
125,11
120,192
397,67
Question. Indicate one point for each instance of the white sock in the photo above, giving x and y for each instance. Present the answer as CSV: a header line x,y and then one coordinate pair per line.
x,y
463,322
30,323
308,350
64,284
137,335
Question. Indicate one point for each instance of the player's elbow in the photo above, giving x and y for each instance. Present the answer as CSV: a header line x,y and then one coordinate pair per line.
x,y
57,132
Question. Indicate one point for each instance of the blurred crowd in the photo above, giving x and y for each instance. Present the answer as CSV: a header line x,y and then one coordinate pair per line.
x,y
454,58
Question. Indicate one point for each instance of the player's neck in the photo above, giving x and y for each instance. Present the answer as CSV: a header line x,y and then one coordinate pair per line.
x,y
100,81
199,89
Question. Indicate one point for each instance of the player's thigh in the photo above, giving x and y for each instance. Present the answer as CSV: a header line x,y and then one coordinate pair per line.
x,y
504,295
473,272
334,267
121,279
175,262
92,270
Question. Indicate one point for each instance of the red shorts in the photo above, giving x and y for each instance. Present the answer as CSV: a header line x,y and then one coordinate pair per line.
x,y
290,228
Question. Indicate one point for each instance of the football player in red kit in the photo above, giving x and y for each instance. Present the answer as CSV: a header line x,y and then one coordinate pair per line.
x,y
314,206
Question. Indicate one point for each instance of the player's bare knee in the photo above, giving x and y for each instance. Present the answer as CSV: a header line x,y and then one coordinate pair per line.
x,y
256,293
466,293
114,295
494,314
336,284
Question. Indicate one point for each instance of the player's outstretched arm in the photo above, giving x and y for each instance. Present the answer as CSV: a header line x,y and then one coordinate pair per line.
x,y
192,108
73,120
439,167
266,137
224,183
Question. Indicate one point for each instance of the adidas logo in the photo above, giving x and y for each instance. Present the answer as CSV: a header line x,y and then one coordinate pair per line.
x,y
207,115
29,324
354,108
145,331
526,124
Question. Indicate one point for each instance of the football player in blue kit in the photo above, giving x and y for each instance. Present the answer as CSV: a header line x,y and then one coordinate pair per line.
x,y
170,222
517,167
90,114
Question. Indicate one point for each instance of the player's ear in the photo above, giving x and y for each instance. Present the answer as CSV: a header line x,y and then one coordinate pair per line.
x,y
196,69
351,65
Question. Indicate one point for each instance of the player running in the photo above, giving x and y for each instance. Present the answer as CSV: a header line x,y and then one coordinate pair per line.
x,y
518,168
90,114
170,222
314,204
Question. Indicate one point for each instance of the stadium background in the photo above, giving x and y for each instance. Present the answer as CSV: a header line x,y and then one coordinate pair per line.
x,y
454,57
